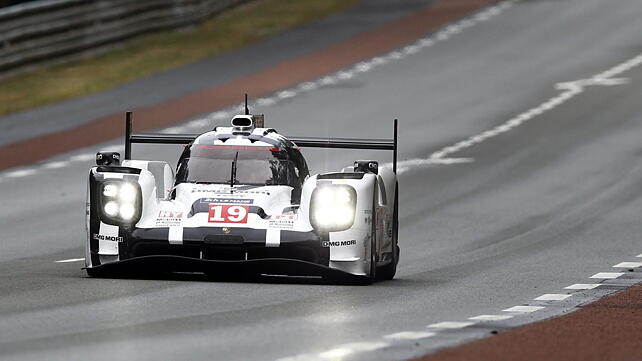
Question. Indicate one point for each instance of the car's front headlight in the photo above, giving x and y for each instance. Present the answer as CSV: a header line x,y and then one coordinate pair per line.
x,y
120,202
332,207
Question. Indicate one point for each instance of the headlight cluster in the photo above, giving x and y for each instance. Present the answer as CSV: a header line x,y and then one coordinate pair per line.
x,y
120,202
332,207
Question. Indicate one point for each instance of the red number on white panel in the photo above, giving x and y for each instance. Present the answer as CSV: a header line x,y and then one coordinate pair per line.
x,y
219,213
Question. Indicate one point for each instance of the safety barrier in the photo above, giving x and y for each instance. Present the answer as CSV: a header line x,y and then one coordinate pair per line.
x,y
56,30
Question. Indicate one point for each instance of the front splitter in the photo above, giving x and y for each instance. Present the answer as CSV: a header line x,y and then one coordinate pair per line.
x,y
266,266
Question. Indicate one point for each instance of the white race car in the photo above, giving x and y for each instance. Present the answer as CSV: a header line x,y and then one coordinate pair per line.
x,y
243,201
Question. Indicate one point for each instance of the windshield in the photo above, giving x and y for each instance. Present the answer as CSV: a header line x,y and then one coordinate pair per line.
x,y
254,166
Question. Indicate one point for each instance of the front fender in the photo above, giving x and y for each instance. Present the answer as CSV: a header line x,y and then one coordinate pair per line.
x,y
349,249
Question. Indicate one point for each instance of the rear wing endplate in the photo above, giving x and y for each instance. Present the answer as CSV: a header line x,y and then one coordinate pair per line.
x,y
333,143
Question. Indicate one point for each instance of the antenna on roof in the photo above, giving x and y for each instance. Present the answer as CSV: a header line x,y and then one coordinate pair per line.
x,y
247,110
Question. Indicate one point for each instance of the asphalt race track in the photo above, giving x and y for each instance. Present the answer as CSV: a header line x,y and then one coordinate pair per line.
x,y
543,192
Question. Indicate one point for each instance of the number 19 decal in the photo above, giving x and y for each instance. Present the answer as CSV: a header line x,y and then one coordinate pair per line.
x,y
227,214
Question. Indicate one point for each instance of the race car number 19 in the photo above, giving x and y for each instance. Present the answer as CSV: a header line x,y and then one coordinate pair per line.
x,y
227,214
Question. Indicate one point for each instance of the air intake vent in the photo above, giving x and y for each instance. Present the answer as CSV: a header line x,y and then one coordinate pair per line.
x,y
242,121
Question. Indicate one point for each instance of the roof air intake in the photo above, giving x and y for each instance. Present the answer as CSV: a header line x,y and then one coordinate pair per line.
x,y
242,123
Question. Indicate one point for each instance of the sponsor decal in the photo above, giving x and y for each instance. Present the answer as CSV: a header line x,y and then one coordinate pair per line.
x,y
169,219
220,213
338,243
227,200
381,217
282,221
102,237
227,191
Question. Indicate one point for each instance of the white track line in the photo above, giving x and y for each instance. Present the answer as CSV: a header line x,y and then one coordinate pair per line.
x,y
524,309
451,325
409,335
54,165
70,260
490,317
582,286
569,91
628,265
607,275
20,173
351,348
83,157
552,297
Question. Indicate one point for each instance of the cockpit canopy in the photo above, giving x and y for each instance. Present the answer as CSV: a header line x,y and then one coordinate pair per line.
x,y
255,165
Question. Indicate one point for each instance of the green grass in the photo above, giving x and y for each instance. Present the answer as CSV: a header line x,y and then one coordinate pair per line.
x,y
161,51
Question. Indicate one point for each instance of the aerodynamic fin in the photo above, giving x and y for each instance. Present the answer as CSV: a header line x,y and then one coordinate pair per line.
x,y
306,142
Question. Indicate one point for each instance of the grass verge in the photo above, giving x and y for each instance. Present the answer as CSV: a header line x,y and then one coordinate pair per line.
x,y
161,51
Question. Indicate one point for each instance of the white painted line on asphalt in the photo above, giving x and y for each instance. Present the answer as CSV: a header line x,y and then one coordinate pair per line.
x,y
420,161
628,265
345,75
113,148
198,123
582,286
327,80
339,352
490,317
336,353
639,256
308,86
20,173
220,115
82,157
452,160
54,165
414,49
607,275
451,325
569,90
552,297
524,309
398,55
174,130
351,348
285,94
70,260
363,67
408,335
266,101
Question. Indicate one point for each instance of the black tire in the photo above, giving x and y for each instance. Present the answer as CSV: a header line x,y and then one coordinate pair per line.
x,y
388,271
94,273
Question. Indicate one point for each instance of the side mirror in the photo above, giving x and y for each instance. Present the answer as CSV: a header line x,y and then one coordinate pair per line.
x,y
108,158
366,166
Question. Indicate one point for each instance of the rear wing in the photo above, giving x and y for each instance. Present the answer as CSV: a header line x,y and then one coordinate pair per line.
x,y
333,143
